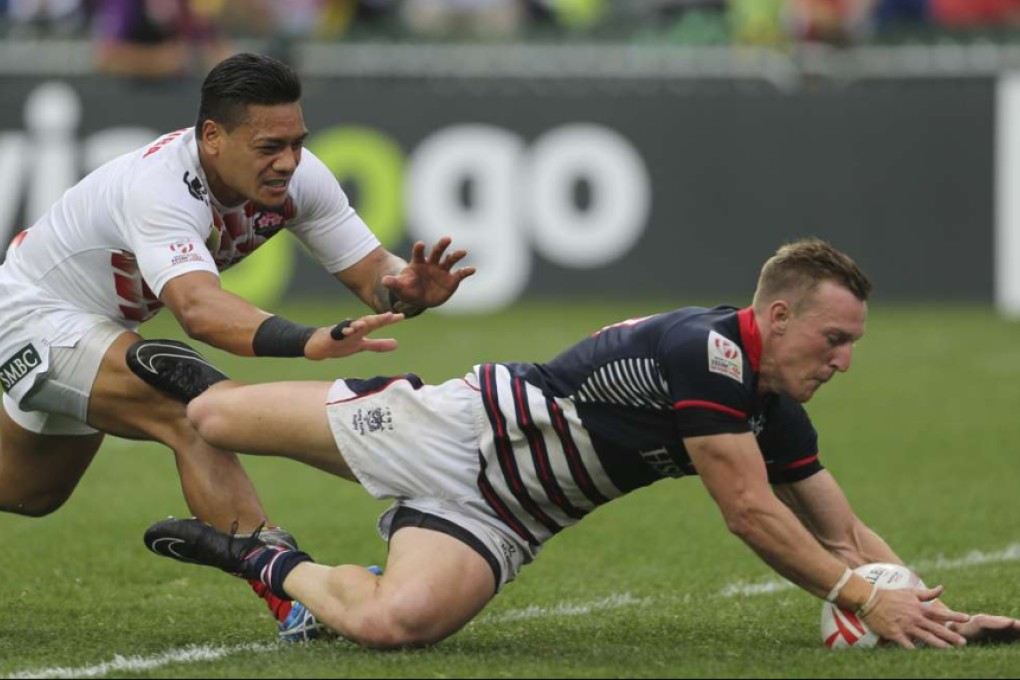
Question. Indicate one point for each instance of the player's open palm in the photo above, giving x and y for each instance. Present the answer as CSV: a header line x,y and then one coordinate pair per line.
x,y
901,617
351,337
429,282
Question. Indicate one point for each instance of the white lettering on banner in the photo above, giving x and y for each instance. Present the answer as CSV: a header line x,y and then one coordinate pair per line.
x,y
522,200
49,155
488,160
565,233
480,184
13,159
52,114
1007,196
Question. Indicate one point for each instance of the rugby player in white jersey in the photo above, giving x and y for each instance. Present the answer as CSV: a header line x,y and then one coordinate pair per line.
x,y
487,468
154,228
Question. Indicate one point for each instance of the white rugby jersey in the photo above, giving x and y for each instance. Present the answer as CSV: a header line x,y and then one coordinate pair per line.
x,y
114,240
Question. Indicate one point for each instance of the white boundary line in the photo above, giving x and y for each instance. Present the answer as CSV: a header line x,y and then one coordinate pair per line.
x,y
568,609
972,559
146,663
196,654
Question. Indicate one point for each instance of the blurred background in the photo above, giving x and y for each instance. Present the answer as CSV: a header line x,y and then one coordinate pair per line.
x,y
601,159
587,149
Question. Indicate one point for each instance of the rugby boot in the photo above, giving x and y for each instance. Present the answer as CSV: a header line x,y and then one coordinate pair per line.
x,y
173,367
195,542
300,625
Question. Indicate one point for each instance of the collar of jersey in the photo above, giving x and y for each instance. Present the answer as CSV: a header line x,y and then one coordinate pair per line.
x,y
750,337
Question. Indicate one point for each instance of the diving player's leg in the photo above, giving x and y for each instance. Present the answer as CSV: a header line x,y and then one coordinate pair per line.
x,y
39,472
215,484
279,419
285,419
434,582
433,585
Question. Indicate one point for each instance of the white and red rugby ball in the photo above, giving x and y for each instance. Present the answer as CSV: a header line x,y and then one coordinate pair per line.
x,y
842,629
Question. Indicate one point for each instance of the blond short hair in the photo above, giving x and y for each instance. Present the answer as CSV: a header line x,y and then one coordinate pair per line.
x,y
797,269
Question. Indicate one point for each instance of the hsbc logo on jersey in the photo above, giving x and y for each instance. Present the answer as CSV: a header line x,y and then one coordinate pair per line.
x,y
23,363
725,357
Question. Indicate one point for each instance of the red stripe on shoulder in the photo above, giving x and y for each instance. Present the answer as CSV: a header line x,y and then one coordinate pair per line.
x,y
711,405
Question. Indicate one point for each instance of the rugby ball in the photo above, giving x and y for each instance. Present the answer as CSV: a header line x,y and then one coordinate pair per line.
x,y
842,629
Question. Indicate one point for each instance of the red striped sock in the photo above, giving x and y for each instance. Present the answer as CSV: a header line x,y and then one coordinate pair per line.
x,y
279,607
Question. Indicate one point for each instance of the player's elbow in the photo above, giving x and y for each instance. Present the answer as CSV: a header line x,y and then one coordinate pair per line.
x,y
198,325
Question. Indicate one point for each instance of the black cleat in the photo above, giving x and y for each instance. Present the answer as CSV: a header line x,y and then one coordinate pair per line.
x,y
195,542
173,367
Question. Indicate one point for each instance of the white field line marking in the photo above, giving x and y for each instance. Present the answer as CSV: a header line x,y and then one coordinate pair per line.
x,y
199,653
972,559
568,609
147,663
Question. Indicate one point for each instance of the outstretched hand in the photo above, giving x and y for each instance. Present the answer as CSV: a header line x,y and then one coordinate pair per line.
x,y
429,282
989,629
349,337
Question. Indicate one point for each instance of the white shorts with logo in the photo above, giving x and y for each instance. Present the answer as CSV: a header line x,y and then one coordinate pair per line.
x,y
421,448
46,376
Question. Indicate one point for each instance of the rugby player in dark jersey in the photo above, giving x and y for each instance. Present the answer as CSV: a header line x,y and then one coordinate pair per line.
x,y
487,468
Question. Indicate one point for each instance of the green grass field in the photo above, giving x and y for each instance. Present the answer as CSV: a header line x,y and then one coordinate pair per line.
x,y
922,433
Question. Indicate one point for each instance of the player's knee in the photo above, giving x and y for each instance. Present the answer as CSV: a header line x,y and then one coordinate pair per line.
x,y
207,419
35,505
398,626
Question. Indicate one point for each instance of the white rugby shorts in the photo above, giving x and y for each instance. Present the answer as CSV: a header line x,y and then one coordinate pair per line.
x,y
421,448
47,387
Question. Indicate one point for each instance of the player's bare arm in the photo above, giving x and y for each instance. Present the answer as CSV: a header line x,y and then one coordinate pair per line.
x,y
732,469
822,507
219,318
386,282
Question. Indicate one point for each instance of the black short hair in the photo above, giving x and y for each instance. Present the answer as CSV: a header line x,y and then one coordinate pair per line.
x,y
244,80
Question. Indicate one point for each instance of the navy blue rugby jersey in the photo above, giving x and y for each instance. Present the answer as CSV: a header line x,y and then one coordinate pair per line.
x,y
609,416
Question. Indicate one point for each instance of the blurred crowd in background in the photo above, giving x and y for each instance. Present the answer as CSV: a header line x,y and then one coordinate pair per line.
x,y
157,37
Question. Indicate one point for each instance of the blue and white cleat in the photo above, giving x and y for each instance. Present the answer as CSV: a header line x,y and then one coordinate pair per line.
x,y
302,626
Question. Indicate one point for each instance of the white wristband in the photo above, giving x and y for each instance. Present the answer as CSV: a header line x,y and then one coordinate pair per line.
x,y
838,588
865,608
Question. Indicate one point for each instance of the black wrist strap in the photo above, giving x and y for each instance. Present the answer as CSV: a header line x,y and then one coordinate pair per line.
x,y
277,337
409,311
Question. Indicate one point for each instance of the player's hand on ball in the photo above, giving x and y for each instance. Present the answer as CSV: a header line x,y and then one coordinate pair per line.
x,y
902,611
901,617
350,337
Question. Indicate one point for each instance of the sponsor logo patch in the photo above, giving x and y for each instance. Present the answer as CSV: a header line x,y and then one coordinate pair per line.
x,y
268,222
21,364
196,188
184,251
660,461
725,357
372,420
